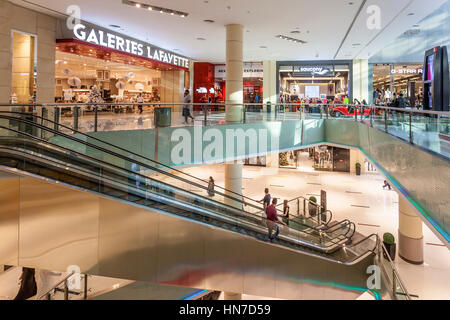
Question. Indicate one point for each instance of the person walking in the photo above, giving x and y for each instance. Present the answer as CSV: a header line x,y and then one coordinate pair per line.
x,y
387,185
285,214
272,220
211,187
186,108
266,199
140,101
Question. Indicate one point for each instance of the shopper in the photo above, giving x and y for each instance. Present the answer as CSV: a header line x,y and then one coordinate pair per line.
x,y
186,107
28,287
387,185
140,101
285,214
211,187
272,220
266,199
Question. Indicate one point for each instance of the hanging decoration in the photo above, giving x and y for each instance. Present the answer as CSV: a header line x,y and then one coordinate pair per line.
x,y
67,71
74,81
139,86
120,85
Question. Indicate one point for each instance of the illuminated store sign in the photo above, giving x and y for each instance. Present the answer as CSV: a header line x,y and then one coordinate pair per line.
x,y
251,70
123,44
407,71
321,71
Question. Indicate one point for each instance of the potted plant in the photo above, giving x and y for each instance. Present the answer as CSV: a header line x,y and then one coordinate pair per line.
x,y
312,206
358,169
389,243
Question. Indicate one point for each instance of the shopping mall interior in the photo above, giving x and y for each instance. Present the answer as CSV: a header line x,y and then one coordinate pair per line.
x,y
211,150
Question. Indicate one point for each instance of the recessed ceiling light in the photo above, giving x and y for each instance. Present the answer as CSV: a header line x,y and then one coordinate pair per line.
x,y
295,31
150,8
290,39
410,14
201,39
208,21
138,5
263,47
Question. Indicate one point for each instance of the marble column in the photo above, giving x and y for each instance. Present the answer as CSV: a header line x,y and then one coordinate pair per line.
x,y
235,69
410,233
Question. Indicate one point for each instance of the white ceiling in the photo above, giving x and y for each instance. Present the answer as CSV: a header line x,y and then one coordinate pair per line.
x,y
322,23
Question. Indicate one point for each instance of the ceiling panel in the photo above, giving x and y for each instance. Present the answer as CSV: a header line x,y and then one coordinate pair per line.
x,y
322,23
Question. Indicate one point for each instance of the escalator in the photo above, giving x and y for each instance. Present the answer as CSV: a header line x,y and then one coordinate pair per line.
x,y
115,173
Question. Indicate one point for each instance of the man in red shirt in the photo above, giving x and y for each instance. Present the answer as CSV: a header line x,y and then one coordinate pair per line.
x,y
272,220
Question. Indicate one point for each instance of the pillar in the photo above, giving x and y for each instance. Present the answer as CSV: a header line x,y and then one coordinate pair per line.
x,y
410,234
233,182
232,296
269,84
361,79
235,69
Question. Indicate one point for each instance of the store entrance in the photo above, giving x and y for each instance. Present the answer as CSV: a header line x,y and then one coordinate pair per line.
x,y
341,160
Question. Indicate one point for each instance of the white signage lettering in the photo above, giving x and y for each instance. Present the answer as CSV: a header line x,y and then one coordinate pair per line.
x,y
407,71
112,41
251,70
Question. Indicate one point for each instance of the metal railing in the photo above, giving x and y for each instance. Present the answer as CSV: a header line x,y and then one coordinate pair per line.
x,y
394,283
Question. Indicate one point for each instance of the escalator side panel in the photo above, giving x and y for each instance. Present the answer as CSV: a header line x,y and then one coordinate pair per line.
x,y
9,216
62,226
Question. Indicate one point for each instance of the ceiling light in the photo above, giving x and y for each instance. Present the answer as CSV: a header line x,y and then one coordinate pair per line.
x,y
201,39
208,21
291,39
150,7
410,14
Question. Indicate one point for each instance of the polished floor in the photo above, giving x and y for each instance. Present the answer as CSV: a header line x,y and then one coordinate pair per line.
x,y
358,198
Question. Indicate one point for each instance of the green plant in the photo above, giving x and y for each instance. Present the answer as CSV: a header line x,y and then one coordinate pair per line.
x,y
388,238
358,165
313,199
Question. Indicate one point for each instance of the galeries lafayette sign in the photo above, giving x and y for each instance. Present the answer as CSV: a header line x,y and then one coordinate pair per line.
x,y
114,41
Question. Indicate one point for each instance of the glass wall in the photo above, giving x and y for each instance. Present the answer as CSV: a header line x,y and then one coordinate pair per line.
x,y
314,82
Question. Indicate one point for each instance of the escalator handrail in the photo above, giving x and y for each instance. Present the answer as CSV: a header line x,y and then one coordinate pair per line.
x,y
128,171
301,197
58,133
116,155
128,151
242,219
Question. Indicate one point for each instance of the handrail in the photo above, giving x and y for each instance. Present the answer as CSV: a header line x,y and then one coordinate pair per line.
x,y
57,285
126,170
66,105
120,156
111,153
128,151
394,269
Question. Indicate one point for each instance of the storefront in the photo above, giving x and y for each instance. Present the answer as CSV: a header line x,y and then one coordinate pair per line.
x,y
210,82
321,158
314,81
96,64
406,79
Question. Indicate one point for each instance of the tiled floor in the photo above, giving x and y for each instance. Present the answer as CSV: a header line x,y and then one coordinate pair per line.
x,y
373,209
